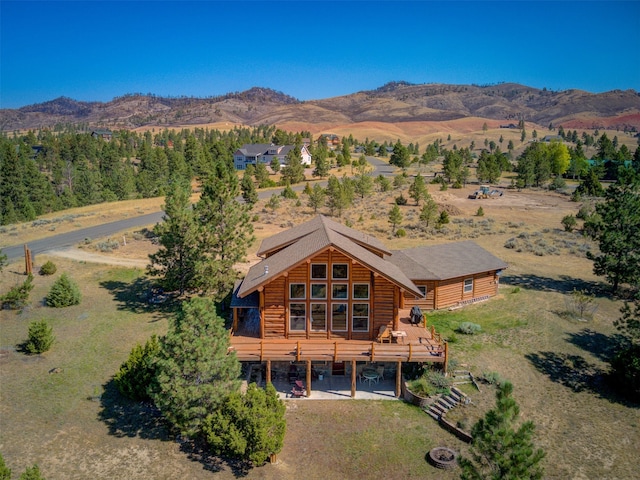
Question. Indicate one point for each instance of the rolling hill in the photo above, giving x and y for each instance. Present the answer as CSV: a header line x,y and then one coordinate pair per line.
x,y
393,103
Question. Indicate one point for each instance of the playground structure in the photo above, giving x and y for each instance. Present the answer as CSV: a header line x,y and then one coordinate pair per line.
x,y
486,192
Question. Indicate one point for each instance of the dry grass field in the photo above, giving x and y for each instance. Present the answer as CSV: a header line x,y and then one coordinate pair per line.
x,y
74,424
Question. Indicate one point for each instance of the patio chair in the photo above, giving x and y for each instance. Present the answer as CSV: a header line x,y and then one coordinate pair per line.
x,y
298,389
384,334
380,371
293,374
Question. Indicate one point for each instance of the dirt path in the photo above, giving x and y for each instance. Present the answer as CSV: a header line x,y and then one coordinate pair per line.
x,y
84,256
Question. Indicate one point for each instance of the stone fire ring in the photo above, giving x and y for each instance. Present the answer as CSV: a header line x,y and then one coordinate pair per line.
x,y
442,457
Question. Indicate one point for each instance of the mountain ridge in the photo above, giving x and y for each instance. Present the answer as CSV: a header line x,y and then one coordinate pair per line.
x,y
394,102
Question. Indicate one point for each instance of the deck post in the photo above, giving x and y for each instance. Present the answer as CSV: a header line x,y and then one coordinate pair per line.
x,y
446,356
261,296
353,378
308,378
268,371
373,353
399,379
235,319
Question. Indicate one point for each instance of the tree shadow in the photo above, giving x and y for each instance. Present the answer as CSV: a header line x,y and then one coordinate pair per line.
x,y
127,418
602,346
574,372
140,296
562,284
198,451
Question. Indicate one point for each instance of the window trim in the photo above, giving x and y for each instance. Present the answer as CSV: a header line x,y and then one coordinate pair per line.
x,y
304,287
304,329
346,319
353,317
467,285
346,285
311,271
333,277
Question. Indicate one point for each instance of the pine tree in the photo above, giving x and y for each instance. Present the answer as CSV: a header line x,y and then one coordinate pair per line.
x,y
175,260
395,218
615,227
316,197
429,211
293,172
195,371
418,189
249,193
224,233
64,293
499,450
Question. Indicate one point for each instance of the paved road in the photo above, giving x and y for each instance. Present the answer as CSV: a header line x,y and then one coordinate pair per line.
x,y
69,239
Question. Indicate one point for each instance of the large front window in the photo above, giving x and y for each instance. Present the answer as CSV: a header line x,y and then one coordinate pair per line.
x,y
340,291
360,317
319,291
297,317
297,291
319,271
361,291
340,271
339,317
319,316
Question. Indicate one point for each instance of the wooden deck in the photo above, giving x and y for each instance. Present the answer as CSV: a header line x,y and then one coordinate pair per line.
x,y
420,345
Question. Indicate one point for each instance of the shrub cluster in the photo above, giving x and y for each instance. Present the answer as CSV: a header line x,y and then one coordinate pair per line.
x,y
48,268
469,328
18,296
137,373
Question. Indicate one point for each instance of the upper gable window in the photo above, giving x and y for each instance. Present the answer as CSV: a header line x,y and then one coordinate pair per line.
x,y
423,290
318,271
340,271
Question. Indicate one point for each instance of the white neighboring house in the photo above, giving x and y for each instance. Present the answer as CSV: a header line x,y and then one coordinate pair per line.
x,y
252,153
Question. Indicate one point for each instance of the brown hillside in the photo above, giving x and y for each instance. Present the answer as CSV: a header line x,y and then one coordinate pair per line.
x,y
427,105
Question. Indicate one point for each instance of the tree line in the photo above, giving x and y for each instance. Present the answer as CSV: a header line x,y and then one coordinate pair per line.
x,y
50,171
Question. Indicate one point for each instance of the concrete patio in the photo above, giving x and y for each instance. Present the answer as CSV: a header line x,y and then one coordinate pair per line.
x,y
339,388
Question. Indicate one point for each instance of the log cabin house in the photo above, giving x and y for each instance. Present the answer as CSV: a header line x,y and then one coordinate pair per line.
x,y
325,295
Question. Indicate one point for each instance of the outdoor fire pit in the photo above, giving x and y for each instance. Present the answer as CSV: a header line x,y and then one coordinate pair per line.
x,y
442,457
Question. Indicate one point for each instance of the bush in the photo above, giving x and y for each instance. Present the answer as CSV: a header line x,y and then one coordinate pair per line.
x,y
249,426
5,472
48,268
469,328
432,382
401,232
569,222
18,296
480,212
40,337
288,192
64,293
492,378
107,246
401,200
31,473
138,371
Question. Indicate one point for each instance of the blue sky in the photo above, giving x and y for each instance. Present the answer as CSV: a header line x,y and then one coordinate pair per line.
x,y
98,50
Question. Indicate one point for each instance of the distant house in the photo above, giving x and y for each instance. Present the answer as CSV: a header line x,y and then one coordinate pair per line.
x,y
333,141
104,134
253,153
552,138
510,125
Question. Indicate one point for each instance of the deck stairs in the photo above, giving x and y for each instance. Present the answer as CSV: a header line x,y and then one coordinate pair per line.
x,y
445,403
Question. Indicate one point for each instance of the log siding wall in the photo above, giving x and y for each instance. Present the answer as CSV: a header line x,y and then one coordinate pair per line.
x,y
447,293
382,307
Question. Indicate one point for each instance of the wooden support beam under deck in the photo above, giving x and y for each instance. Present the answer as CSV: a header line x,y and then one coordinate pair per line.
x,y
353,378
268,371
308,378
399,379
